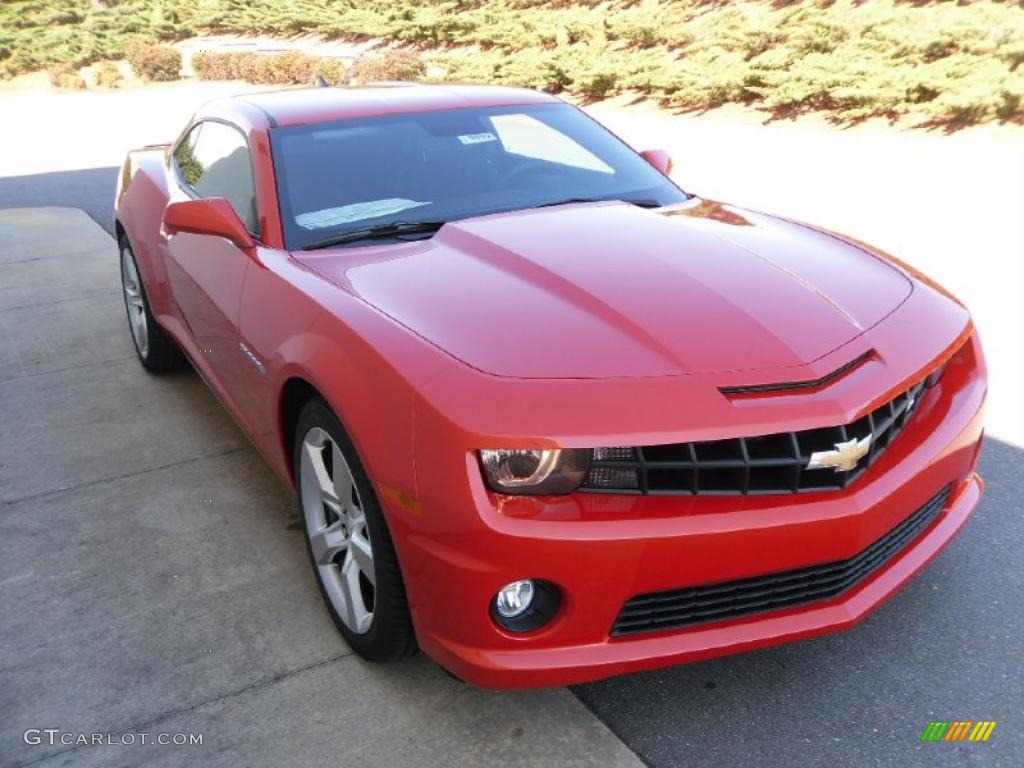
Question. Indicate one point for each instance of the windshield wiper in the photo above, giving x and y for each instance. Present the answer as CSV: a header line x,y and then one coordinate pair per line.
x,y
391,229
642,202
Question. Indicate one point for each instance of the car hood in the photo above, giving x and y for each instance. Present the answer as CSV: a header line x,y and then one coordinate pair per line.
x,y
612,290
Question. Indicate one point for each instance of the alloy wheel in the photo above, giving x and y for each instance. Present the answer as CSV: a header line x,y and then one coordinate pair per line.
x,y
336,526
134,302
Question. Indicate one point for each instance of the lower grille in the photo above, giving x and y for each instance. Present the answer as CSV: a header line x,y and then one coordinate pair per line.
x,y
731,599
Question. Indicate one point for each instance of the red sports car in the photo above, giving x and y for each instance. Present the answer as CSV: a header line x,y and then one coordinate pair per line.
x,y
549,417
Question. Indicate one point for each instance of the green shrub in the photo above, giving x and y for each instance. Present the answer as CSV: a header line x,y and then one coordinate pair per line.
x,y
704,80
637,27
1011,104
954,62
65,76
597,83
542,69
107,75
154,62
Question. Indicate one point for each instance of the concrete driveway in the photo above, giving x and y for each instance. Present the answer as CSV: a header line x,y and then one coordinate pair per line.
x,y
153,579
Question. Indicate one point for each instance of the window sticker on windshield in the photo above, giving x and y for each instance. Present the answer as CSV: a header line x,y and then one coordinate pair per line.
x,y
477,138
330,217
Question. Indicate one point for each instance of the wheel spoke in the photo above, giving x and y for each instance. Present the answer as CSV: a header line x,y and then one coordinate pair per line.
x,y
320,475
336,525
362,553
128,277
355,613
328,543
341,484
134,301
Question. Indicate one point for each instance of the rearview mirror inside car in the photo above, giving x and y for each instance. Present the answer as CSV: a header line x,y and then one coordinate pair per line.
x,y
209,216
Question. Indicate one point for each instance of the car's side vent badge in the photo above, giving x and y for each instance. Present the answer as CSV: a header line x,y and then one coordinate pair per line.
x,y
828,378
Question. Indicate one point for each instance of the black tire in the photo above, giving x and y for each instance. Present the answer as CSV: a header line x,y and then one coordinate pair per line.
x,y
158,353
390,635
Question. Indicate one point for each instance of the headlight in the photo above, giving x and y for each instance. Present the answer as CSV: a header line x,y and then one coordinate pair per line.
x,y
543,471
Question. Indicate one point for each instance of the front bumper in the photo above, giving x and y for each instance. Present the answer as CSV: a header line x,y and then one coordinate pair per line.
x,y
568,664
464,543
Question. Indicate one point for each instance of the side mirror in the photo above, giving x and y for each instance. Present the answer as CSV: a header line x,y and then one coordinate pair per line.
x,y
659,159
211,216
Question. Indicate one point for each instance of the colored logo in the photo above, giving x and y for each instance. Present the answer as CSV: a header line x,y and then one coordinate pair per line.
x,y
958,730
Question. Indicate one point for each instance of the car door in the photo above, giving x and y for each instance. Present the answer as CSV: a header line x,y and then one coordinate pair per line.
x,y
206,272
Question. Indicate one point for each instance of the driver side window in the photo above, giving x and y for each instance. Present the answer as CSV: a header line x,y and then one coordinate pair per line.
x,y
214,161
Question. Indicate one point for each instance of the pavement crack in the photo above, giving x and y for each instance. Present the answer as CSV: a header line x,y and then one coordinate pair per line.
x,y
79,297
114,478
29,374
88,252
146,725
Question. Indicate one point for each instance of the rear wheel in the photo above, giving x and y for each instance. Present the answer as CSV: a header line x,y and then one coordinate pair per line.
x,y
348,540
156,351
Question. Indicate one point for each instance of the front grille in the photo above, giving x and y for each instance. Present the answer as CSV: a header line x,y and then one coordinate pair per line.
x,y
732,599
748,465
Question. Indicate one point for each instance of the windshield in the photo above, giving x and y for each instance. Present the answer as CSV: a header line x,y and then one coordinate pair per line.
x,y
340,177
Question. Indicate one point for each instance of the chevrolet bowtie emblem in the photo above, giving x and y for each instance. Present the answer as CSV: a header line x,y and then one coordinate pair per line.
x,y
844,457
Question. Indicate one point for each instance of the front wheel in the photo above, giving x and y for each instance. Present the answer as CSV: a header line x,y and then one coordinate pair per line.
x,y
154,347
348,540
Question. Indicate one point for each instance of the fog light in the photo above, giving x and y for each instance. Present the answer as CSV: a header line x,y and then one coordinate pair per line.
x,y
525,605
514,599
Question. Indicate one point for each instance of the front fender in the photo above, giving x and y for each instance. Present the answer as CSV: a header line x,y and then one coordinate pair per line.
x,y
363,364
140,198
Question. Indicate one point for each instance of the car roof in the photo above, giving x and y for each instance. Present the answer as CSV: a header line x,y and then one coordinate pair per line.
x,y
297,106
